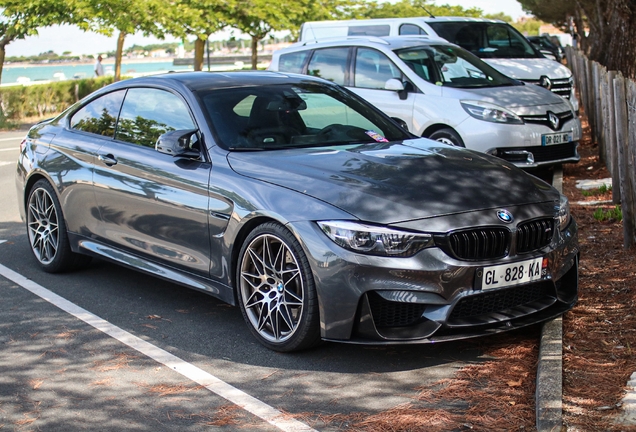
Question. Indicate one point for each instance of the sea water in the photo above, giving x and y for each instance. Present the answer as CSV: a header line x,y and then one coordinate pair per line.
x,y
59,71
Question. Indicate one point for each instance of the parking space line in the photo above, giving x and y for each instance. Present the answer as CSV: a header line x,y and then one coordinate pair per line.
x,y
212,383
13,139
10,149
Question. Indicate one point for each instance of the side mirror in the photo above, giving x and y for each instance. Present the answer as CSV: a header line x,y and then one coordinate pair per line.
x,y
396,85
177,143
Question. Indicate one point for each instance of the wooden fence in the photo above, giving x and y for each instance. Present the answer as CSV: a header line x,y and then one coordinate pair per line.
x,y
609,100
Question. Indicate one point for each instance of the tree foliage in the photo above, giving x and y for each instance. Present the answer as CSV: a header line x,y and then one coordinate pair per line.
x,y
21,18
605,29
258,18
124,17
198,18
414,8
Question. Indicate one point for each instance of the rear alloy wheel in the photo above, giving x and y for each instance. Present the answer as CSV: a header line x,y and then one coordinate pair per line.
x,y
47,231
447,136
276,291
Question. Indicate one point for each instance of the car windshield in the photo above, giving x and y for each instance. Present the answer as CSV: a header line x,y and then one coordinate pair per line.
x,y
450,66
486,40
294,115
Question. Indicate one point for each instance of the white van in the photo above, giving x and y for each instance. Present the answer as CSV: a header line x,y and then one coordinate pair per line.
x,y
494,41
440,91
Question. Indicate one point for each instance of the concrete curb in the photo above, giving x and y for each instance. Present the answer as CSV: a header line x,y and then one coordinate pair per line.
x,y
549,391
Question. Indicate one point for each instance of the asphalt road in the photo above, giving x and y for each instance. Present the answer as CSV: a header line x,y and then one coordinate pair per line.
x,y
58,372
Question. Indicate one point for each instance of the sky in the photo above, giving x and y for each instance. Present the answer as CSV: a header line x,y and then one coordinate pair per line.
x,y
60,39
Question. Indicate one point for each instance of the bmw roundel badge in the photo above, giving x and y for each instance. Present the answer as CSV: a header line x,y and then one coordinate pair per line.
x,y
504,216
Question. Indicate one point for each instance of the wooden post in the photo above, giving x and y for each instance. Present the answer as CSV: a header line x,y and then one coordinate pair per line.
x,y
583,88
612,143
602,117
596,109
624,133
630,201
589,108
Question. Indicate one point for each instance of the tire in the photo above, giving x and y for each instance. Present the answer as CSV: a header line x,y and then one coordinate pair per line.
x,y
276,290
47,233
447,136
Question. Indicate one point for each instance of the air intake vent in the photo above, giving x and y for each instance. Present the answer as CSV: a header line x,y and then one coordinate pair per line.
x,y
499,301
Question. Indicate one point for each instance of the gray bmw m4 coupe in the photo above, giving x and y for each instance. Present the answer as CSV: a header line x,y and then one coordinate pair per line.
x,y
287,195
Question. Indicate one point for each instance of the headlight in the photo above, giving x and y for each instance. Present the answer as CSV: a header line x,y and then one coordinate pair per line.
x,y
489,112
563,212
375,240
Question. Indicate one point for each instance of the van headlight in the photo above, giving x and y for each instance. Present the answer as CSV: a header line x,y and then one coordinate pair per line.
x,y
375,240
563,212
490,112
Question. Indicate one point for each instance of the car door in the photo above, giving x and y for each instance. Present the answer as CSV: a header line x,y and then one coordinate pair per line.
x,y
91,127
371,70
152,204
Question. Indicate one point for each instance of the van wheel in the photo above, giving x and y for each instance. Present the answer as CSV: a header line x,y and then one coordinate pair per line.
x,y
447,136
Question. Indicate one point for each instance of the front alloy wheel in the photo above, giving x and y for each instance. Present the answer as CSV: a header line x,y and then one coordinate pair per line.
x,y
276,292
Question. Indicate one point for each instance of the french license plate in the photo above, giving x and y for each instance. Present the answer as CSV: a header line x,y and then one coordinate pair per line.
x,y
556,138
504,275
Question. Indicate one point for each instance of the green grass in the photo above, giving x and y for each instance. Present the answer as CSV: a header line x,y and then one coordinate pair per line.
x,y
600,191
614,214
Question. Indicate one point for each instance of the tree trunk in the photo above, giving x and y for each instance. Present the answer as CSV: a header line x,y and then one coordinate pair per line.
x,y
616,49
118,55
255,40
2,54
199,49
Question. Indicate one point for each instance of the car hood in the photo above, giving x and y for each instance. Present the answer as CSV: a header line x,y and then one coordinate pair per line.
x,y
527,96
530,69
391,183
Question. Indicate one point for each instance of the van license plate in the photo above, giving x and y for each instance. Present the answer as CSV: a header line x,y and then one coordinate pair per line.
x,y
557,138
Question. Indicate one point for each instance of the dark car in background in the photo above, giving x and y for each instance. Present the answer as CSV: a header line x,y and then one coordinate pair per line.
x,y
545,43
289,196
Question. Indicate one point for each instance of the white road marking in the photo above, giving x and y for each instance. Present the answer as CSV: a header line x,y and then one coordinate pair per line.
x,y
6,163
11,149
212,383
12,139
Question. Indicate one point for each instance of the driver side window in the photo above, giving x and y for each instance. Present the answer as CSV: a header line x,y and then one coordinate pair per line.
x,y
148,113
373,69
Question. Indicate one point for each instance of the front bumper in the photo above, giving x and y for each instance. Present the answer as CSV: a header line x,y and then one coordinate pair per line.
x,y
522,144
431,297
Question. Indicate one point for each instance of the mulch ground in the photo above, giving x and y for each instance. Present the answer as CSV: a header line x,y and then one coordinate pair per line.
x,y
600,332
599,339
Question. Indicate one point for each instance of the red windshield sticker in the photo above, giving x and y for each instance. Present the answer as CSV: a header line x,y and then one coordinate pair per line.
x,y
376,136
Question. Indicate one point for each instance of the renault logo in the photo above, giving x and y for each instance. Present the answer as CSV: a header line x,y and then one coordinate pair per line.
x,y
546,82
504,216
554,120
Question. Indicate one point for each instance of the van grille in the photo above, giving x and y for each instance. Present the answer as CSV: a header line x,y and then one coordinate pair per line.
x,y
541,153
561,86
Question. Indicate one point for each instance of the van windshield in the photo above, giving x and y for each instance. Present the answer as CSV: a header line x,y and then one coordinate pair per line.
x,y
450,66
486,40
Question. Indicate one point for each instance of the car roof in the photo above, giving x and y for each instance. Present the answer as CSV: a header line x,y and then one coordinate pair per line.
x,y
196,81
388,42
461,19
